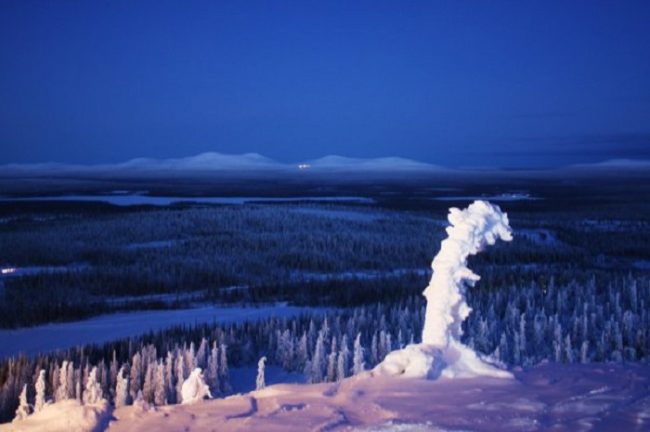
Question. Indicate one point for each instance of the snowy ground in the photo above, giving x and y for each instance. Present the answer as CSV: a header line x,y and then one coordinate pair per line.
x,y
549,397
553,397
110,327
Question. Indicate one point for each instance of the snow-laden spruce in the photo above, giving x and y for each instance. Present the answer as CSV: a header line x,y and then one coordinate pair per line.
x,y
441,352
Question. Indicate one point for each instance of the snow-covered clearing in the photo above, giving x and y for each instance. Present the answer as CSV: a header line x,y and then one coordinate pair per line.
x,y
110,327
127,200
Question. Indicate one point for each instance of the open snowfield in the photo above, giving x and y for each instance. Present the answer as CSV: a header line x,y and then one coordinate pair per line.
x,y
554,397
105,328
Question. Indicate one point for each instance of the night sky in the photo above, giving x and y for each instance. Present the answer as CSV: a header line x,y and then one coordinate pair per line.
x,y
459,83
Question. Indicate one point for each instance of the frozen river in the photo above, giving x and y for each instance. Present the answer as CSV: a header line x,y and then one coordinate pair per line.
x,y
105,328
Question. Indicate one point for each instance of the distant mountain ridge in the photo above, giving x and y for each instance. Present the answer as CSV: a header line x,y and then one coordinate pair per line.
x,y
214,162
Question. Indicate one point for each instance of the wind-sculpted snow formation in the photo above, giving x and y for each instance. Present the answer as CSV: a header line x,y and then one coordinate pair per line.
x,y
441,352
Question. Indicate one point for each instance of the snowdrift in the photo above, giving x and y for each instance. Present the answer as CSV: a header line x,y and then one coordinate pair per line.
x,y
64,416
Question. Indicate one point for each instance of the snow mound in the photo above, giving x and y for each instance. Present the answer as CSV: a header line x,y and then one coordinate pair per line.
x,y
441,352
430,362
64,416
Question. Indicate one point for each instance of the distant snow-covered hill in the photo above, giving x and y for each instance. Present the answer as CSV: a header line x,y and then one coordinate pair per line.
x,y
341,163
213,162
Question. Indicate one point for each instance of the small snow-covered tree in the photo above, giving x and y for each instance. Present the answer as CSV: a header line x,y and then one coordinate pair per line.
x,y
121,389
260,382
93,393
39,401
194,388
23,409
358,364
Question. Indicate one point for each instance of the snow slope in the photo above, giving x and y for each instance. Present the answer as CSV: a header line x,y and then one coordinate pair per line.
x,y
548,397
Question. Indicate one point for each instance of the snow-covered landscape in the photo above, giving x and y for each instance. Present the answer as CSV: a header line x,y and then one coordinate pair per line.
x,y
324,216
438,384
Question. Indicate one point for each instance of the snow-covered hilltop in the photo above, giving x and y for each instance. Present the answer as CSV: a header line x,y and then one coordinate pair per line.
x,y
213,162
439,384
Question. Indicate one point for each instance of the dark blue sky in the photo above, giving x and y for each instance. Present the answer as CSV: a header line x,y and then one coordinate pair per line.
x,y
514,83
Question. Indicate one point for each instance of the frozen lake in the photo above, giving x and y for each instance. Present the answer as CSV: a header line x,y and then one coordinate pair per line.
x,y
137,199
105,328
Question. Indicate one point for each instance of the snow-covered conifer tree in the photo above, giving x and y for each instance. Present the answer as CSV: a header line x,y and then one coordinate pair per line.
x,y
180,377
136,375
23,409
121,389
260,382
224,374
202,354
343,360
39,401
93,393
212,374
318,360
358,364
331,361
194,388
160,390
62,390
149,385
